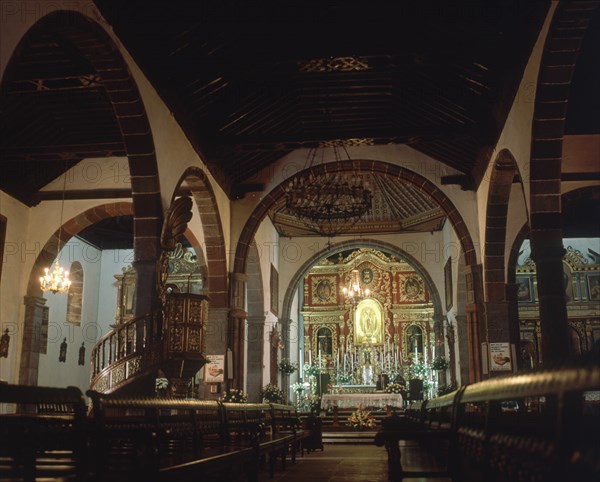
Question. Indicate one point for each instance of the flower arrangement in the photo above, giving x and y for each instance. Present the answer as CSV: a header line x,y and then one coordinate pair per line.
x,y
312,370
361,419
395,388
286,366
161,386
314,402
272,393
344,378
443,389
235,395
299,387
420,371
440,363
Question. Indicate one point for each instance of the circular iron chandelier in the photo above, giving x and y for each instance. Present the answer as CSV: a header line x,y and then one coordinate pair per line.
x,y
329,203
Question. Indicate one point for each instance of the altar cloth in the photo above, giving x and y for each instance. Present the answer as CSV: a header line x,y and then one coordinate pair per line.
x,y
353,400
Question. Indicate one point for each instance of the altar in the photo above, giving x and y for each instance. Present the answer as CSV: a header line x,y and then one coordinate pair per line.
x,y
366,400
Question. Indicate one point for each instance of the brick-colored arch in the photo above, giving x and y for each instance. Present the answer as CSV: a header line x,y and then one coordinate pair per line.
x,y
292,288
376,167
98,49
503,174
559,59
216,261
69,229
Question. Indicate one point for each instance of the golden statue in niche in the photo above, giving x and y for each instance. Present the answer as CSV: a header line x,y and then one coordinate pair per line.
x,y
368,323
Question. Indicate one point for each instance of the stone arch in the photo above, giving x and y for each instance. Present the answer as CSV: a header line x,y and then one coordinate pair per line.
x,y
503,173
559,60
355,244
28,370
216,260
98,49
377,167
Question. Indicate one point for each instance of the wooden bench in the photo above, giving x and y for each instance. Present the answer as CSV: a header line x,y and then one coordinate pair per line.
x,y
252,424
164,439
533,426
46,437
285,421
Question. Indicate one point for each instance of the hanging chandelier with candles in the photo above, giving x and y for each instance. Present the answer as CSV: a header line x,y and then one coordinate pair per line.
x,y
58,280
329,203
355,292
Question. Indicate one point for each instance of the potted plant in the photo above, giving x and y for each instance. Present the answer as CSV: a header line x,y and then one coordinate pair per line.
x,y
440,363
272,393
361,419
286,366
235,395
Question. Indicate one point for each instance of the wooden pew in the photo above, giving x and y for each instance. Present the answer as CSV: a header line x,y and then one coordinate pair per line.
x,y
165,439
285,421
46,436
532,426
252,424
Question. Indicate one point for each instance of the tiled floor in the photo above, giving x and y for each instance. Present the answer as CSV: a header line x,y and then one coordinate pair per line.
x,y
350,463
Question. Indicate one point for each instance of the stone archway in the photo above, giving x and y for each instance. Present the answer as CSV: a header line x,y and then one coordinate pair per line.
x,y
378,167
292,288
497,293
216,260
34,302
559,60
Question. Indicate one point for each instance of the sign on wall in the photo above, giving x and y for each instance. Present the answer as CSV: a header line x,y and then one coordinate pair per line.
x,y
500,357
214,370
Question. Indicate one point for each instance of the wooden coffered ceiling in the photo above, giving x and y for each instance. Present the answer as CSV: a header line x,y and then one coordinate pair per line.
x,y
249,82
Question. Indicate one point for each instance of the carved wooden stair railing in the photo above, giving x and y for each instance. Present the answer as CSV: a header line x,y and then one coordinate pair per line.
x,y
130,351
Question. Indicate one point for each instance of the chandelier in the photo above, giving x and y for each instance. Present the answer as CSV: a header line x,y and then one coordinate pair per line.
x,y
355,293
58,280
328,203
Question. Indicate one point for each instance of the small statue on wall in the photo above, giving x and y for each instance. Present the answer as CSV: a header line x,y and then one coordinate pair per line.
x,y
62,356
4,343
81,360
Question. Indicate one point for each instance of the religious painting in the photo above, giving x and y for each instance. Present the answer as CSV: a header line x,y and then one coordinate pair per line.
x,y
324,342
593,285
448,283
414,340
524,289
368,323
274,290
366,276
323,290
412,288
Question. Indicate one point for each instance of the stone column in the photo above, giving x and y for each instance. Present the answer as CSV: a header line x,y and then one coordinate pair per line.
x,y
36,314
236,328
254,369
514,327
476,327
214,341
146,296
547,252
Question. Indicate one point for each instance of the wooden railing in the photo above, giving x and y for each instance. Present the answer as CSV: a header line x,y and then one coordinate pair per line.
x,y
130,350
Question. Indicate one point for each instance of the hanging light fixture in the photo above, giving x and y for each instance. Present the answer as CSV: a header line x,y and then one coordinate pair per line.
x,y
329,203
58,280
356,292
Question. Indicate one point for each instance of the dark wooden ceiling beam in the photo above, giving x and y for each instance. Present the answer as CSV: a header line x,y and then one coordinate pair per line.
x,y
82,150
379,136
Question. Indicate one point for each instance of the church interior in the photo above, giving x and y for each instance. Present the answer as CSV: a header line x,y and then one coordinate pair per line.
x,y
370,221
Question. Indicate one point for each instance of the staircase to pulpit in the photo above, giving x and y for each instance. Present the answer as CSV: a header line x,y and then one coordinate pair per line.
x,y
129,357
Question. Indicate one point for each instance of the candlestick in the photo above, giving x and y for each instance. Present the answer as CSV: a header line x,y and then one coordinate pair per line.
x,y
309,357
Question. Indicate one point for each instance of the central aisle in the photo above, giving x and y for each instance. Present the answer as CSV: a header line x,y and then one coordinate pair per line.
x,y
348,463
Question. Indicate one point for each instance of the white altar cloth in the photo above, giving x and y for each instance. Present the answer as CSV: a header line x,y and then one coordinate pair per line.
x,y
353,400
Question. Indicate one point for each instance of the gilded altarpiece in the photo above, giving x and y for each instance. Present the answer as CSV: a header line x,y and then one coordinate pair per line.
x,y
582,293
398,298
